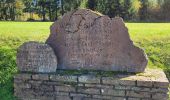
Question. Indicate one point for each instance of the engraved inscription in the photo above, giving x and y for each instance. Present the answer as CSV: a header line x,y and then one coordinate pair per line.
x,y
36,57
87,40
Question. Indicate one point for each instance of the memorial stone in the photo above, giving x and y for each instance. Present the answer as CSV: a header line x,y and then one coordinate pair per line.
x,y
36,57
84,39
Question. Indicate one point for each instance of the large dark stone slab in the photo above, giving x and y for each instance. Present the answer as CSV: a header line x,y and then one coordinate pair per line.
x,y
36,57
84,39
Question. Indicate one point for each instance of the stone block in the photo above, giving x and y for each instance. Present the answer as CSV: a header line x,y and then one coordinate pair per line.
x,y
91,99
88,79
22,85
26,99
49,93
35,84
103,97
25,93
132,88
89,90
63,98
40,77
46,88
62,93
23,76
52,83
98,86
66,88
112,92
84,98
134,99
64,78
117,81
160,96
18,81
81,85
55,93
146,99
161,84
79,95
138,94
159,90
44,98
145,83
36,57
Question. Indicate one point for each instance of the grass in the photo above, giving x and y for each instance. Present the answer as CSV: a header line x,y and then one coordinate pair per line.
x,y
154,38
12,35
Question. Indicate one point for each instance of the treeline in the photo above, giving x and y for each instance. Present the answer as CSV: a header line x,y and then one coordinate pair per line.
x,y
133,10
50,10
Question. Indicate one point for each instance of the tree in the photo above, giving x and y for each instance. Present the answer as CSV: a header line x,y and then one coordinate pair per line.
x,y
134,10
55,9
42,4
68,5
143,12
126,9
83,4
91,4
29,7
9,9
166,9
62,7
19,6
111,8
52,9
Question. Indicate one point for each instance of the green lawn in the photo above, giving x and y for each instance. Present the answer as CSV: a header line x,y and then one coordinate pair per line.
x,y
154,38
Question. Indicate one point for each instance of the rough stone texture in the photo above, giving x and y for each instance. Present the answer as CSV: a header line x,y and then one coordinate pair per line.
x,y
69,87
84,39
64,78
40,77
89,79
36,57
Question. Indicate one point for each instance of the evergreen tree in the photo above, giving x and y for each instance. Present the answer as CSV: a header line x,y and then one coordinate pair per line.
x,y
127,6
91,4
166,10
143,12
29,7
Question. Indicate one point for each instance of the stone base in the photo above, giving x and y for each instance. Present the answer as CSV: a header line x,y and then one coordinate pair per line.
x,y
150,85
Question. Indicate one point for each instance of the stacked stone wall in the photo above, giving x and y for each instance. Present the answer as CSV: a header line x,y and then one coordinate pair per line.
x,y
29,86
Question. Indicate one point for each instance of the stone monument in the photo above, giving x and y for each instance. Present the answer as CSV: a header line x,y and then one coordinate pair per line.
x,y
36,57
84,39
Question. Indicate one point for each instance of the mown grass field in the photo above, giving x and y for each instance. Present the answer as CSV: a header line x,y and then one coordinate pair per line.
x,y
154,38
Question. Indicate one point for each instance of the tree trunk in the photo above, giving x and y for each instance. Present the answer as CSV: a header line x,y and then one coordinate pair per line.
x,y
56,11
91,4
12,13
62,7
50,13
43,13
5,13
